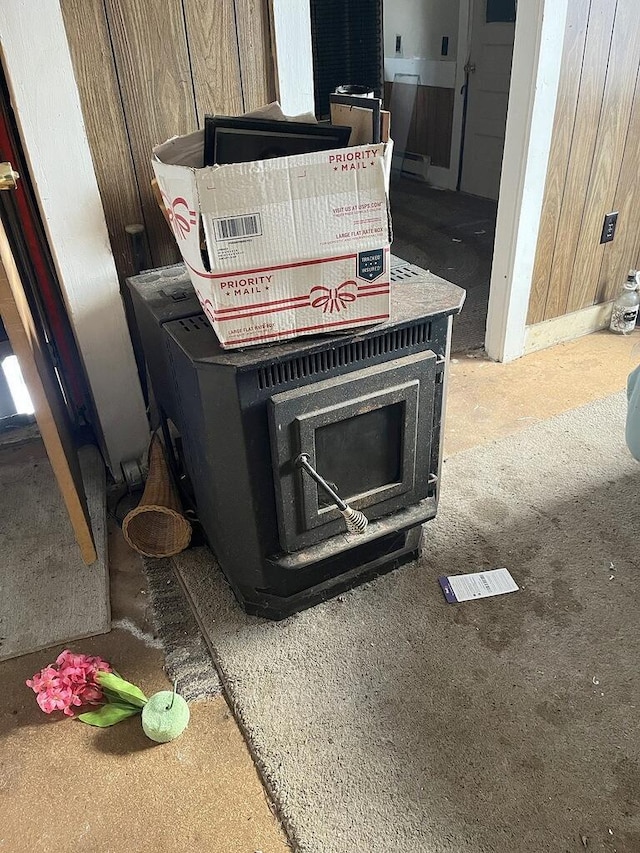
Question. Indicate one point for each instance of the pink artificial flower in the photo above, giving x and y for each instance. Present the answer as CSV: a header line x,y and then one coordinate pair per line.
x,y
70,685
45,679
54,699
100,665
73,675
91,695
67,658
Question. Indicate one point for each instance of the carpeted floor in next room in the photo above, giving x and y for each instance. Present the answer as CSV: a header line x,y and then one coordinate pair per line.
x,y
451,234
65,786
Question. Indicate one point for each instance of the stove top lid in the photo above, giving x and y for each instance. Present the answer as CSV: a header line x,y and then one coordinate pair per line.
x,y
416,296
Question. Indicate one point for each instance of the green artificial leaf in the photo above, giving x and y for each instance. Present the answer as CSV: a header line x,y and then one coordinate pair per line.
x,y
108,715
120,690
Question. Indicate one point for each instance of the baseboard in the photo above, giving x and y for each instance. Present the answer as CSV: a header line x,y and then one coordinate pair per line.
x,y
415,165
419,166
557,330
441,178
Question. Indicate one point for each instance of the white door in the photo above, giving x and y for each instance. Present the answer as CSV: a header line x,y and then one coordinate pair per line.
x,y
489,67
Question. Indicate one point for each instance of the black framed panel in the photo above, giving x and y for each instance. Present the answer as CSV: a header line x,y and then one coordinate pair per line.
x,y
386,463
396,401
346,39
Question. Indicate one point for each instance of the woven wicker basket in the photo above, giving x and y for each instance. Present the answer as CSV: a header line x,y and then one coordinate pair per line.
x,y
156,527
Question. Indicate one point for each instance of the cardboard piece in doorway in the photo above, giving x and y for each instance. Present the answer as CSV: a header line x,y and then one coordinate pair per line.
x,y
362,115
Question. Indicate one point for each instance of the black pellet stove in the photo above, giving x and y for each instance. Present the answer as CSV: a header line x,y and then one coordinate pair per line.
x,y
363,410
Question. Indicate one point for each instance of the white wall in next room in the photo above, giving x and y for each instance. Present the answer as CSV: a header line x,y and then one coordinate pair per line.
x,y
421,24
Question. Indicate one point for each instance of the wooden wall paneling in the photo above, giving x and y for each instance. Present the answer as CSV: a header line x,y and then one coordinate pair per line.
x,y
561,138
417,141
97,82
432,121
423,121
153,66
215,63
257,68
441,126
607,160
623,253
585,132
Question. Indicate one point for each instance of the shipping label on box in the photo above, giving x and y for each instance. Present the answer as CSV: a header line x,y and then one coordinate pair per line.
x,y
294,245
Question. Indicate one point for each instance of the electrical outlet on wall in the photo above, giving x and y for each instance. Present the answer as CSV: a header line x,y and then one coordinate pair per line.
x,y
609,227
398,45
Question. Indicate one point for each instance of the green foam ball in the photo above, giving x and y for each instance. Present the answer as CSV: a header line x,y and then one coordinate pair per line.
x,y
162,721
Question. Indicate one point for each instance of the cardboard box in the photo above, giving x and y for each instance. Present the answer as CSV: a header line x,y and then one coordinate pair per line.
x,y
295,245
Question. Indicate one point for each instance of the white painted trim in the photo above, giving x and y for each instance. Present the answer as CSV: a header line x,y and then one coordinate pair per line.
x,y
294,56
432,72
535,74
45,97
557,330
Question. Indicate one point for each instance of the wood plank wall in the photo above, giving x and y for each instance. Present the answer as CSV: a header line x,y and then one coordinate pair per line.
x,y
593,165
431,123
150,69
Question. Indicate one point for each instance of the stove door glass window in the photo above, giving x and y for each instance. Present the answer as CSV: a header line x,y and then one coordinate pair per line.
x,y
362,453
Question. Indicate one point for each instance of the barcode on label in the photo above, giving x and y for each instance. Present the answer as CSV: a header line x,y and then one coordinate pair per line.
x,y
238,226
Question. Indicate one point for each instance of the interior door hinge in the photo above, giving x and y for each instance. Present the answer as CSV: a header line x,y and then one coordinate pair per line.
x,y
53,354
8,177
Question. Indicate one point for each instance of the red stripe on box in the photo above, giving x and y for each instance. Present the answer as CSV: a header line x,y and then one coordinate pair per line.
x,y
373,293
277,267
260,313
232,274
308,329
380,287
262,304
372,286
281,305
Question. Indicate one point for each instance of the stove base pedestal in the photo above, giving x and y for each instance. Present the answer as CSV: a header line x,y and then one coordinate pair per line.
x,y
384,555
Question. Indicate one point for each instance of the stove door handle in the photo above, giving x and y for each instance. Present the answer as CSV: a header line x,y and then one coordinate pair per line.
x,y
355,520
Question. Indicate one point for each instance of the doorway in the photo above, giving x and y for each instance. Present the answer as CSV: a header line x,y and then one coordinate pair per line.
x,y
457,57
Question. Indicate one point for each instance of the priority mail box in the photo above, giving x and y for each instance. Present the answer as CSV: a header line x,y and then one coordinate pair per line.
x,y
283,247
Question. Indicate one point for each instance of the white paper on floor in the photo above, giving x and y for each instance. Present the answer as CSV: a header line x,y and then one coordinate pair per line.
x,y
477,585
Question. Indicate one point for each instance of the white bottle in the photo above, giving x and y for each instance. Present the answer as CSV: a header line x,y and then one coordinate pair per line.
x,y
625,308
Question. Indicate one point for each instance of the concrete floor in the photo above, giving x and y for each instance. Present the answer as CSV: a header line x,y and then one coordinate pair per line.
x,y
66,786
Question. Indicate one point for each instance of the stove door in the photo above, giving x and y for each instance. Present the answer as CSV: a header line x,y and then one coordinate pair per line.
x,y
368,433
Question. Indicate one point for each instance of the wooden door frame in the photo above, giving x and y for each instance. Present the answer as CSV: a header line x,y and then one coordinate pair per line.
x,y
535,74
293,52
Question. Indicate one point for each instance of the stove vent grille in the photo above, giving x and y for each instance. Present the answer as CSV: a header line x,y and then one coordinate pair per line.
x,y
405,271
195,324
332,360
